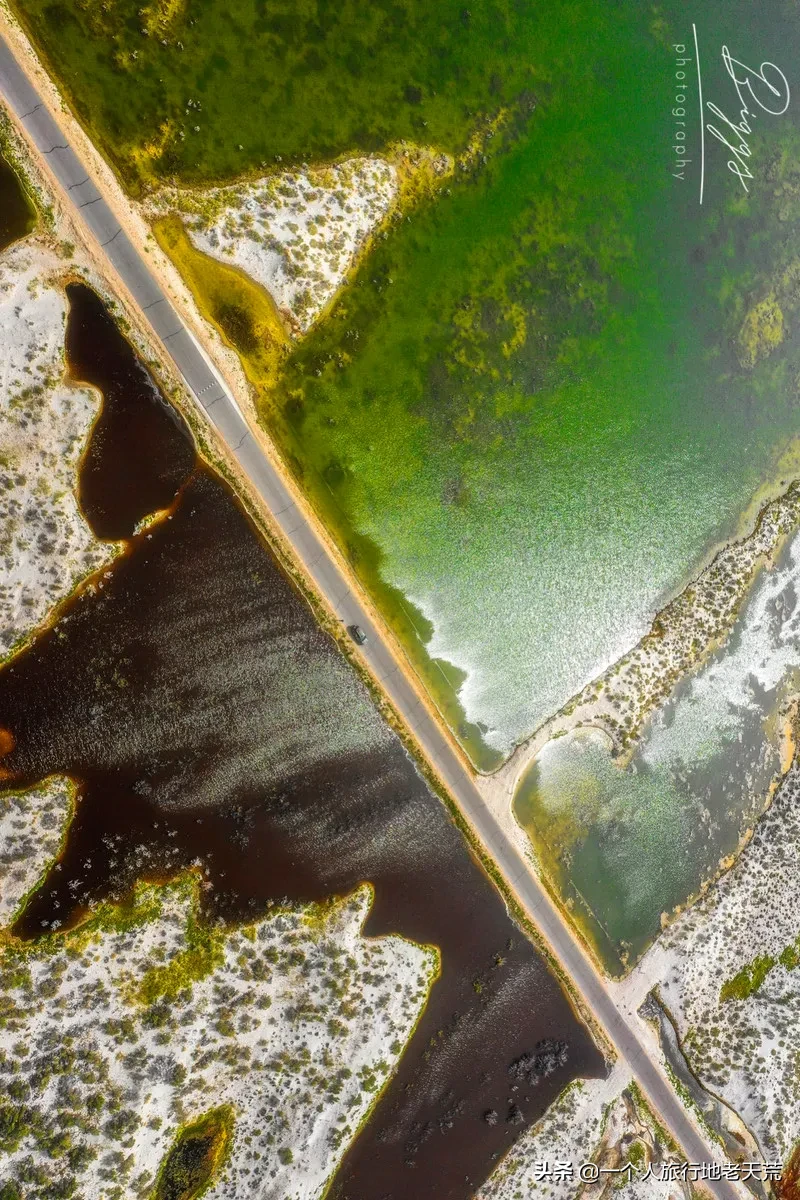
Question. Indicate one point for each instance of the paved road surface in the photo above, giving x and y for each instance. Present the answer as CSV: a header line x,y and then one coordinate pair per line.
x,y
210,392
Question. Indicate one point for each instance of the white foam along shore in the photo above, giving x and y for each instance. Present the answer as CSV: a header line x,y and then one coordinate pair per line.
x,y
118,1036
46,546
683,635
688,628
297,233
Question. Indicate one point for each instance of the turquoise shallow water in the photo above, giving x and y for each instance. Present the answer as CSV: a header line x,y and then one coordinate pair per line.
x,y
623,846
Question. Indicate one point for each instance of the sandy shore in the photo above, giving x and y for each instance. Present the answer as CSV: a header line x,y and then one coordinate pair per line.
x,y
164,1020
33,825
601,1121
681,638
46,546
726,973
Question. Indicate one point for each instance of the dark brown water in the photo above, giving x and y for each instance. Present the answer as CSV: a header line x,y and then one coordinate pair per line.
x,y
205,715
140,452
16,212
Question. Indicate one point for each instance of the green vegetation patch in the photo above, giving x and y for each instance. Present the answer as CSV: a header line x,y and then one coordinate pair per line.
x,y
143,905
196,1156
17,213
16,155
201,92
747,982
762,331
203,954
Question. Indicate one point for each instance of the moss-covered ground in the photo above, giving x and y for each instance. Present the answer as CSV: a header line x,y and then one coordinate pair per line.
x,y
207,92
242,311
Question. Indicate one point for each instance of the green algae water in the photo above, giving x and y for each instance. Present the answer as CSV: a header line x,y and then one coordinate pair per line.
x,y
552,389
553,385
623,846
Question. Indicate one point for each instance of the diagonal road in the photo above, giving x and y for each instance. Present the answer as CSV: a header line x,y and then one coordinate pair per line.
x,y
209,391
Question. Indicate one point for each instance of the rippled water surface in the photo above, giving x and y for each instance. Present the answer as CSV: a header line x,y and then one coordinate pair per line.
x,y
205,716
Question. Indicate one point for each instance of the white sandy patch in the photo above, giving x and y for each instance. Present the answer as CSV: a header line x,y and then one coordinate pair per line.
x,y
45,544
593,1121
297,233
32,827
567,1133
744,1051
255,1033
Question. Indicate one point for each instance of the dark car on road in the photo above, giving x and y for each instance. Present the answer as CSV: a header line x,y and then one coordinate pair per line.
x,y
357,634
